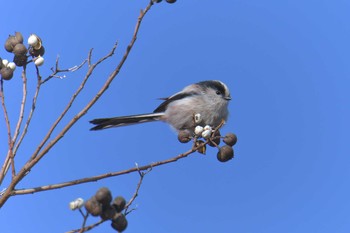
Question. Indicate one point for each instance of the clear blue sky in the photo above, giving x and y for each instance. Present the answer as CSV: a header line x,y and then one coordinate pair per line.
x,y
287,65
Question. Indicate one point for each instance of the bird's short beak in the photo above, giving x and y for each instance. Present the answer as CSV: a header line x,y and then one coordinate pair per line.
x,y
227,98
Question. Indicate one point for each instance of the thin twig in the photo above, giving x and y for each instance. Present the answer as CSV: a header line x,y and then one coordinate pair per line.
x,y
87,228
39,153
32,110
85,216
58,120
106,175
9,155
19,122
126,212
57,70
142,175
21,113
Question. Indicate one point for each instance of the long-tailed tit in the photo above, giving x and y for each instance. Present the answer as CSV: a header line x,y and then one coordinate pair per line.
x,y
203,103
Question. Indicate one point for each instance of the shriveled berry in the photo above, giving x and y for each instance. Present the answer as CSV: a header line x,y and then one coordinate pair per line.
x,y
19,49
6,73
93,206
37,52
202,147
225,153
19,37
184,136
104,196
119,203
215,140
20,60
230,139
10,43
108,212
119,222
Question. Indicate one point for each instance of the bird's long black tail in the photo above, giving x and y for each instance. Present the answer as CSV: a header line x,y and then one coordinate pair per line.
x,y
105,123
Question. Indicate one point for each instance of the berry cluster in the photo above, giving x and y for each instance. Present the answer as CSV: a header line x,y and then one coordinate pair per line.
x,y
14,44
213,138
101,204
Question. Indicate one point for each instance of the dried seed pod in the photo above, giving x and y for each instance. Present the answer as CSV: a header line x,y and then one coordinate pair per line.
x,y
230,139
104,196
76,204
119,222
93,206
201,149
184,136
11,65
38,61
6,73
108,212
197,118
33,40
225,153
215,139
19,37
5,62
37,52
207,130
198,130
10,43
19,49
119,203
20,60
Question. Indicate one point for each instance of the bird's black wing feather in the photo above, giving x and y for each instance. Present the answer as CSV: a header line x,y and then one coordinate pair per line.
x,y
162,107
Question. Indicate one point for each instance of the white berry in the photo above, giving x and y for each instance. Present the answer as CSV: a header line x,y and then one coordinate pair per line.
x,y
5,62
198,130
39,61
11,65
33,40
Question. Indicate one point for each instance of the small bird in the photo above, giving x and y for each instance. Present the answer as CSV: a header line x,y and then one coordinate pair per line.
x,y
207,99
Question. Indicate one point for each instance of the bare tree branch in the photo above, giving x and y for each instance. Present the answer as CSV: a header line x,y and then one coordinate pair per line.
x,y
106,175
9,155
142,175
126,212
40,151
57,70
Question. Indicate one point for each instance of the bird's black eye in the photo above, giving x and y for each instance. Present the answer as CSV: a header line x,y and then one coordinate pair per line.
x,y
218,92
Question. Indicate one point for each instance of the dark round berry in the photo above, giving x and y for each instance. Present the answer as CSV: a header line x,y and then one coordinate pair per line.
x,y
230,139
170,1
184,136
9,43
6,73
215,140
19,50
19,37
119,222
104,196
225,153
119,203
93,207
20,60
108,212
37,52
